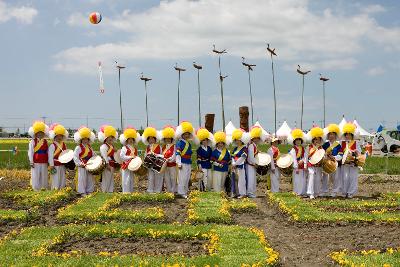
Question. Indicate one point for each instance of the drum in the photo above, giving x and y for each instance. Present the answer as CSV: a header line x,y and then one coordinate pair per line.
x,y
66,157
136,165
285,164
317,158
263,161
329,165
360,160
95,165
156,163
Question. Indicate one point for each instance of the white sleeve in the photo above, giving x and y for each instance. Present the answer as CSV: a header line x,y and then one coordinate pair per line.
x,y
50,154
123,155
272,158
294,156
306,156
30,151
178,160
77,160
103,152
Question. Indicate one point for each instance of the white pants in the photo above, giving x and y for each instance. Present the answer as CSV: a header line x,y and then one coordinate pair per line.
x,y
183,179
314,181
275,180
350,180
241,182
39,176
336,182
219,181
207,179
170,179
107,180
251,181
300,182
85,181
58,179
128,179
154,182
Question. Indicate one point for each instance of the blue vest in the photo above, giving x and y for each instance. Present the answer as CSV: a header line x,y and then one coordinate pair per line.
x,y
180,147
237,154
225,161
335,150
204,157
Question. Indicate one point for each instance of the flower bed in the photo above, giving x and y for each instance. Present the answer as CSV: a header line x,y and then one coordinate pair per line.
x,y
99,207
224,246
214,207
387,258
382,209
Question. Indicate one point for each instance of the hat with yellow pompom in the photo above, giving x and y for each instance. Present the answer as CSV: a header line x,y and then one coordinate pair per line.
x,y
105,132
240,134
257,132
129,132
57,129
332,128
220,137
167,133
38,126
350,128
315,132
296,134
184,127
150,132
84,132
201,135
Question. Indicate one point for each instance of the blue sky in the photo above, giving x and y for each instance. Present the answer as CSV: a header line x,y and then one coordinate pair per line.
x,y
49,53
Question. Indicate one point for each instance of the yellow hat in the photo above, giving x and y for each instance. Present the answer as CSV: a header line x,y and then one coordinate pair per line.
x,y
256,132
39,126
130,133
333,128
149,132
84,132
349,128
220,137
187,127
203,134
315,132
105,132
296,134
168,132
57,129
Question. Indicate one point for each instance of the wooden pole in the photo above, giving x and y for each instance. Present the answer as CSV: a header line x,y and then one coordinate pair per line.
x,y
209,122
244,118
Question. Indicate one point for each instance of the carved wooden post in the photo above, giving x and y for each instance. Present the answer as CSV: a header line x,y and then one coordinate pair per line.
x,y
244,118
209,122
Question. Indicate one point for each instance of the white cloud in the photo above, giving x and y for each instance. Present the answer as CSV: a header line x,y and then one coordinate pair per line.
x,y
375,71
22,14
187,29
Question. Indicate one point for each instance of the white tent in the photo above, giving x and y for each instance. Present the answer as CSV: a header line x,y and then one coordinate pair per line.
x,y
362,132
342,123
263,130
229,128
283,131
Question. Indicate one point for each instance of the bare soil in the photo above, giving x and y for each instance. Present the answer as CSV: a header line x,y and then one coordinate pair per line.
x,y
145,246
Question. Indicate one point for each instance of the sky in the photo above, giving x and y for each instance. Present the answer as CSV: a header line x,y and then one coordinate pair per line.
x,y
50,52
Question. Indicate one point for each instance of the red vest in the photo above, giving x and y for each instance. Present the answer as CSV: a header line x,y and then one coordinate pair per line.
x,y
57,153
89,155
299,157
168,153
40,156
125,164
275,152
255,151
110,154
156,150
352,148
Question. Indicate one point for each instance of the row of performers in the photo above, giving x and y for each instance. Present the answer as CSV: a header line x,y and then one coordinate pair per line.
x,y
175,147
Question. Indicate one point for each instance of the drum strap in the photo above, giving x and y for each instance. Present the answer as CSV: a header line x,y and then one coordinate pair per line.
x,y
166,148
59,148
38,145
332,147
110,149
222,155
85,152
300,152
237,151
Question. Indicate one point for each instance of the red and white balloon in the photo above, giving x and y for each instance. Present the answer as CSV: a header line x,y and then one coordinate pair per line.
x,y
95,17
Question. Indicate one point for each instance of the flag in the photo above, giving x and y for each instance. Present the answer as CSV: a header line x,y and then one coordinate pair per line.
x,y
380,129
101,86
